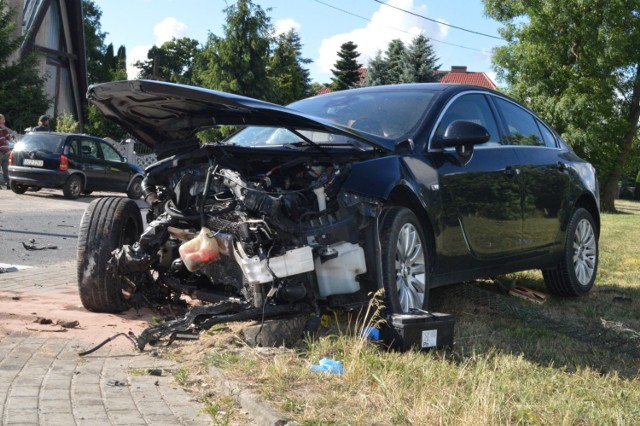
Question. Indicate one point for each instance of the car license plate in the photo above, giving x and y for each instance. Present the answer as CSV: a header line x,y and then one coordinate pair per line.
x,y
32,162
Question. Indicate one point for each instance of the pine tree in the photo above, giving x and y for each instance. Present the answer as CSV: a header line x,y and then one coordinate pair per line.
x,y
395,54
346,74
290,79
419,62
377,71
238,62
173,61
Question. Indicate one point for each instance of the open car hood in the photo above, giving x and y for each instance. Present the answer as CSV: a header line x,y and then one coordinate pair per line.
x,y
166,115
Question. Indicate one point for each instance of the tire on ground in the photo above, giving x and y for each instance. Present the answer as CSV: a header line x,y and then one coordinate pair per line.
x,y
17,188
577,269
107,224
72,187
402,267
135,189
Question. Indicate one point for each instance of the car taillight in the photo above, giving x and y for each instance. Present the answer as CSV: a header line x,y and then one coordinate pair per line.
x,y
64,163
11,158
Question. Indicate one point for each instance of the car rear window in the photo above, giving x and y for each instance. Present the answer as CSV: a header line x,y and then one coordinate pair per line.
x,y
40,142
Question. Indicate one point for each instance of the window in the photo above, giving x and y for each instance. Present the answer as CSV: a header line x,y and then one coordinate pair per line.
x,y
521,126
474,108
86,148
547,136
110,153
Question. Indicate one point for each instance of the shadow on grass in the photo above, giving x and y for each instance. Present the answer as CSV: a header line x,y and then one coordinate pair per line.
x,y
598,331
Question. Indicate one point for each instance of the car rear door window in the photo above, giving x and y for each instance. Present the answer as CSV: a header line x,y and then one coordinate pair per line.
x,y
521,125
547,136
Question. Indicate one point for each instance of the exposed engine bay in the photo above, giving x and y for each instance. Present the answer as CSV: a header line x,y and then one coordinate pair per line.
x,y
228,225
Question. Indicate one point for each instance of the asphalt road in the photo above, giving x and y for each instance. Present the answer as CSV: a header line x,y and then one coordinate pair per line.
x,y
45,222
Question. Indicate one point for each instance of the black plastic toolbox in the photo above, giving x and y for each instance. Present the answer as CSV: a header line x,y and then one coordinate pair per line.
x,y
424,330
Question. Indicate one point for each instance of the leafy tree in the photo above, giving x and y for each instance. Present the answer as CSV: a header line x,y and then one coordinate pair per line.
x,y
419,62
94,43
395,55
577,63
346,74
173,61
22,95
290,79
238,62
377,71
66,123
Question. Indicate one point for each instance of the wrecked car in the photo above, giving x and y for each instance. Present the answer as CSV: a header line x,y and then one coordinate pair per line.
x,y
322,203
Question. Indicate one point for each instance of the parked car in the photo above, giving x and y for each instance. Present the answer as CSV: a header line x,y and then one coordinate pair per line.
x,y
321,203
77,164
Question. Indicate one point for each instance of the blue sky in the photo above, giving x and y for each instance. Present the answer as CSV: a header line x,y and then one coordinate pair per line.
x,y
323,26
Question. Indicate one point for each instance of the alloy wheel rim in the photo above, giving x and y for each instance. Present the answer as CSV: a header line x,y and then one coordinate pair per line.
x,y
410,268
585,252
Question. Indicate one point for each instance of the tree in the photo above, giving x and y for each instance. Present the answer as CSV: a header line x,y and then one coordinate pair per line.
x,y
377,71
395,55
238,62
22,95
577,63
419,62
346,74
290,79
173,61
94,43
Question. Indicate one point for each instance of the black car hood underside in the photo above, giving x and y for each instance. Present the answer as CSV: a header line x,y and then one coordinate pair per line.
x,y
166,115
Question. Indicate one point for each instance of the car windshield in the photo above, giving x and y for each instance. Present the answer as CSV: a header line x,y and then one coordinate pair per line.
x,y
268,136
40,142
389,114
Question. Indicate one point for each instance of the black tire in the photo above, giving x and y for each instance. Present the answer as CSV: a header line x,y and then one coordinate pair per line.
x,y
404,272
135,189
576,272
17,188
72,187
108,223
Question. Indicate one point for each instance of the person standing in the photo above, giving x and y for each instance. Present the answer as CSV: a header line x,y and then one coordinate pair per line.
x,y
43,124
6,135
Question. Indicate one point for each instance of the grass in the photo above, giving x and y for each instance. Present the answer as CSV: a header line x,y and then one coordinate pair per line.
x,y
565,362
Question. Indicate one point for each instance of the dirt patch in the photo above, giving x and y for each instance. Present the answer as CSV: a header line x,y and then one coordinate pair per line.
x,y
59,311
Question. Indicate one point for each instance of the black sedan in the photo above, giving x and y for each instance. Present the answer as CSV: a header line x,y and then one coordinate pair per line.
x,y
77,164
323,202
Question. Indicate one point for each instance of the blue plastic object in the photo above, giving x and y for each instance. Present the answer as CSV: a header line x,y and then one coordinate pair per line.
x,y
327,365
371,333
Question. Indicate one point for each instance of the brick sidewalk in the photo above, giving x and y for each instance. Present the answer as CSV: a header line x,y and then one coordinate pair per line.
x,y
43,381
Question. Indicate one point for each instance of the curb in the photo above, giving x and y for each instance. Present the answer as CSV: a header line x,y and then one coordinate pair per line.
x,y
262,413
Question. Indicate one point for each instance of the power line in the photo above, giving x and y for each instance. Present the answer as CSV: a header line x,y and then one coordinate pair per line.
x,y
397,29
436,21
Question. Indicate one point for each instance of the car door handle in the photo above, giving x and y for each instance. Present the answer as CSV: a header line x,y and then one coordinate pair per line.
x,y
511,172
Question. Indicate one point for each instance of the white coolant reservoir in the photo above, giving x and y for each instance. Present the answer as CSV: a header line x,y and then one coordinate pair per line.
x,y
338,274
199,251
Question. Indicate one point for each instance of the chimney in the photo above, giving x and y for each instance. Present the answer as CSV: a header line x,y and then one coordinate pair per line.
x,y
458,68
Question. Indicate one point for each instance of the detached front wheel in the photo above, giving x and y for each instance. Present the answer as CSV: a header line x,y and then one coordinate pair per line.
x,y
107,224
404,260
576,272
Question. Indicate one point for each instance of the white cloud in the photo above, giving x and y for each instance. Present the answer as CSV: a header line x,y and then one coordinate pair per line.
x,y
169,28
284,25
164,31
138,53
386,24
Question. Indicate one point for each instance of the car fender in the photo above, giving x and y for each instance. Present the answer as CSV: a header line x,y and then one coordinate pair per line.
x,y
72,172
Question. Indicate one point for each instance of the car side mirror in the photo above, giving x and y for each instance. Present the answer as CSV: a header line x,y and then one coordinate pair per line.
x,y
462,135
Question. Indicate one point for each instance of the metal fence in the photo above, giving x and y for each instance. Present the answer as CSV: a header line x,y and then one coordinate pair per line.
x,y
135,152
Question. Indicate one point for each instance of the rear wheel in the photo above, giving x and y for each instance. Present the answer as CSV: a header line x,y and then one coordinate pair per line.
x,y
107,224
576,272
17,188
72,187
135,189
404,260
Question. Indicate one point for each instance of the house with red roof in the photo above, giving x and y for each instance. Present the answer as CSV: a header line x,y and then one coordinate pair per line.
x,y
460,75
